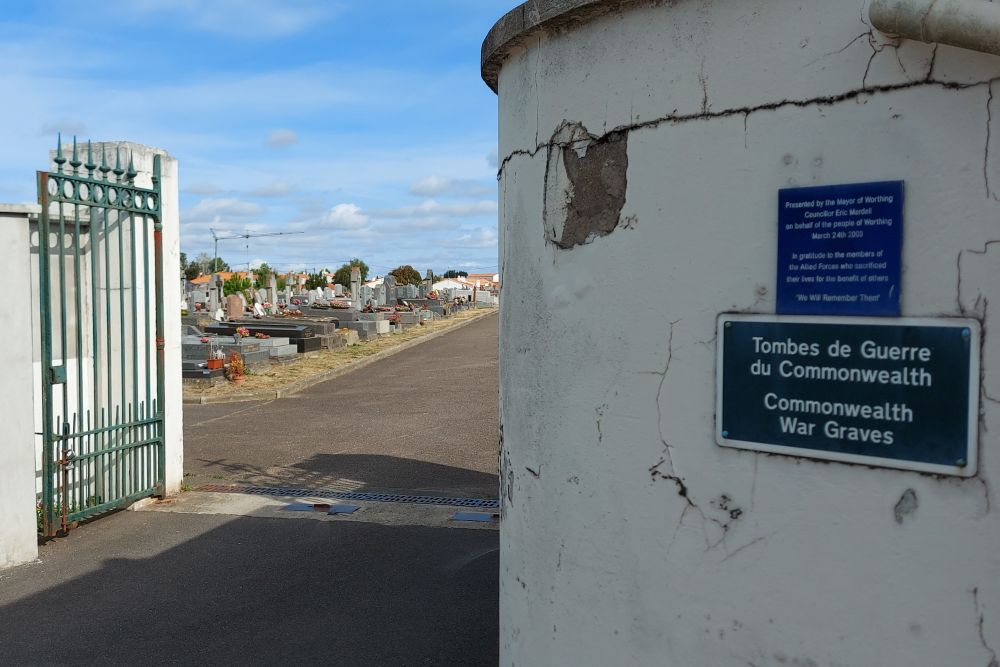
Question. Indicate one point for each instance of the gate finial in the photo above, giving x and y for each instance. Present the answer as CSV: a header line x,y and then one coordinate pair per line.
x,y
60,160
75,161
104,163
131,173
118,165
90,160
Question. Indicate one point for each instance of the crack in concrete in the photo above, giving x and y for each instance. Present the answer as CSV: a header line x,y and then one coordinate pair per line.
x,y
822,100
986,152
738,550
665,469
958,288
599,411
704,86
930,64
994,660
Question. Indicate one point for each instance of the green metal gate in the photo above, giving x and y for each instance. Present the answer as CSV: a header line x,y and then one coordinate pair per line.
x,y
101,344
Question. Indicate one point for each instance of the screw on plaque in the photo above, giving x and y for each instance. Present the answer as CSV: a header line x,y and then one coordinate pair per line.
x,y
728,324
725,434
961,463
966,333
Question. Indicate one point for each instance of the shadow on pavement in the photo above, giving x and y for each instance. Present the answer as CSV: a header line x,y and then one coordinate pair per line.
x,y
354,472
187,589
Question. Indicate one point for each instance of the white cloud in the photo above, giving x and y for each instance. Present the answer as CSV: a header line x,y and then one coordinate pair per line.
x,y
434,186
220,209
256,263
482,237
430,186
434,208
273,189
68,128
282,138
347,216
202,189
256,19
493,159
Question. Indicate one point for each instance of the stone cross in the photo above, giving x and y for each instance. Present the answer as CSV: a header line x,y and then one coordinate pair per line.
x,y
356,287
215,295
272,290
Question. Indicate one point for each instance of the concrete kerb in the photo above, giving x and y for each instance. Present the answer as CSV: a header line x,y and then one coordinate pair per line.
x,y
350,367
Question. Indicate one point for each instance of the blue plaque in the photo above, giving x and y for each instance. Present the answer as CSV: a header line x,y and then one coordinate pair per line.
x,y
900,393
839,249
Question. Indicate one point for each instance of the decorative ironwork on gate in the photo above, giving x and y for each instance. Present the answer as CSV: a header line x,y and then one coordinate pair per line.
x,y
101,344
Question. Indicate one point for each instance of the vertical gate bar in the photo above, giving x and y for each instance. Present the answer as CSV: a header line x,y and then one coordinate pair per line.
x,y
107,307
45,324
63,429
121,305
95,258
134,434
78,303
148,343
160,344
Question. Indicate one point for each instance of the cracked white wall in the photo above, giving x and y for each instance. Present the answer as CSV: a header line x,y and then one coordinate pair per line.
x,y
629,537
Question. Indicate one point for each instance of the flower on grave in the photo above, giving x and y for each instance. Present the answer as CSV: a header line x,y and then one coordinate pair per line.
x,y
266,304
262,336
242,331
204,339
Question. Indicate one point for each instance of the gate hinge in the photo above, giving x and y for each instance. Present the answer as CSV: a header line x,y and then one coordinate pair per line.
x,y
57,375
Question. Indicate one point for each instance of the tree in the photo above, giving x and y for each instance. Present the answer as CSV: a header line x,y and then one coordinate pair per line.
x,y
263,274
343,274
209,265
282,282
450,273
406,275
235,285
315,280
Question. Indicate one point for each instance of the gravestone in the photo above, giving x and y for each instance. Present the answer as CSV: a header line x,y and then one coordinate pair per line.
x,y
260,295
380,295
338,290
214,296
367,294
390,289
234,306
272,290
258,310
356,287
328,293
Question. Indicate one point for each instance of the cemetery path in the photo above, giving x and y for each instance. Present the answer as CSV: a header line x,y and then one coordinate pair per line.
x,y
186,589
423,421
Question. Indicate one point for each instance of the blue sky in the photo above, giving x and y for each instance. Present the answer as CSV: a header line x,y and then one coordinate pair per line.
x,y
363,124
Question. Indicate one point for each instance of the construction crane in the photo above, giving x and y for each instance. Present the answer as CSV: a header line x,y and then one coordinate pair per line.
x,y
245,235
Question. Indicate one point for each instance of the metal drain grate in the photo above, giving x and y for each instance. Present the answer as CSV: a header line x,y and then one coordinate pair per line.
x,y
352,495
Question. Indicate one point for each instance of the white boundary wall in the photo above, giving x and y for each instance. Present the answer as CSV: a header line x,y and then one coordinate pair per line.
x,y
18,536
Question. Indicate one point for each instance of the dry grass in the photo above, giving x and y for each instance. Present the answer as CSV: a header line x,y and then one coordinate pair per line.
x,y
315,363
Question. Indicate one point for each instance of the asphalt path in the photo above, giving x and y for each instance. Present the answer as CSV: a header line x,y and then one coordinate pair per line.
x,y
421,421
154,587
145,588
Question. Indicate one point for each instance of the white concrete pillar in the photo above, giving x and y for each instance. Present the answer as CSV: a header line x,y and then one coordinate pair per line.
x,y
18,532
642,146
